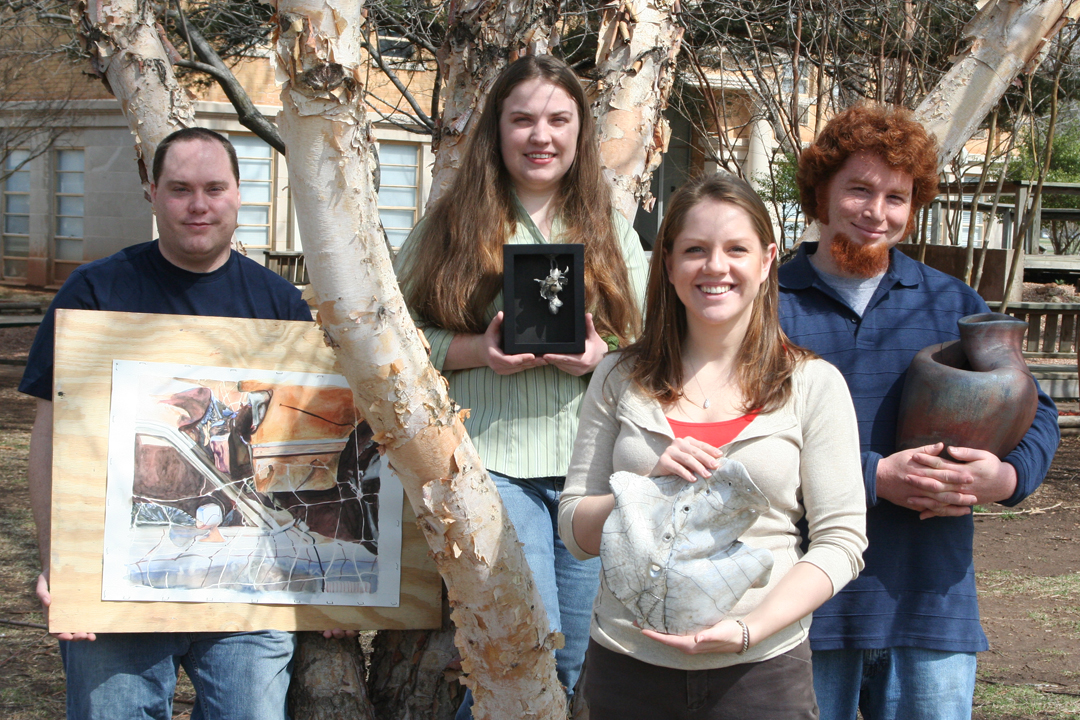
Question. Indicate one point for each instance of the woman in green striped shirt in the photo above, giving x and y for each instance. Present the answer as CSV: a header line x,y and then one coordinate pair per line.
x,y
531,174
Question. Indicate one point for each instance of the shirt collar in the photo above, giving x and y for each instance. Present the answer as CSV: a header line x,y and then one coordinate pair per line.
x,y
799,274
527,227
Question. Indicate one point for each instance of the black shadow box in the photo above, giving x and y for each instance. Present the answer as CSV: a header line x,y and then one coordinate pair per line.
x,y
528,323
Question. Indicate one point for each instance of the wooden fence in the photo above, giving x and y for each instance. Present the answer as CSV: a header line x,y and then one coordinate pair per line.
x,y
1052,328
289,264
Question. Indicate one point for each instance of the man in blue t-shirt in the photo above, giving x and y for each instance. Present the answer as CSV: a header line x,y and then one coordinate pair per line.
x,y
900,640
190,269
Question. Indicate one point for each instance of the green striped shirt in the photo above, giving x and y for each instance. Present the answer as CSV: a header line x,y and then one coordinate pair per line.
x,y
523,425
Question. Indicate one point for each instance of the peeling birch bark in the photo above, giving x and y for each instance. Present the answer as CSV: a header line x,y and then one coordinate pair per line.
x,y
635,60
126,52
1007,37
484,37
503,633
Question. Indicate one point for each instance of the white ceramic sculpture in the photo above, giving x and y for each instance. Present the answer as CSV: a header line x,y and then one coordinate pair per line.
x,y
670,548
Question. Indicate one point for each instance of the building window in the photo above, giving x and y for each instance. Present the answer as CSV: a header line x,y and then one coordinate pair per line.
x,y
256,191
399,189
68,207
15,241
787,79
965,223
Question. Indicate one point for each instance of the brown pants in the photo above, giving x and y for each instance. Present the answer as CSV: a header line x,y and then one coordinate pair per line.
x,y
618,687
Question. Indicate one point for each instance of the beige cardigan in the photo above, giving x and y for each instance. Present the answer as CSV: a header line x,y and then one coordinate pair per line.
x,y
803,456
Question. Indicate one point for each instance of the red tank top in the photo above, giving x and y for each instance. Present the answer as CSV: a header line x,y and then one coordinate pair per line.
x,y
716,434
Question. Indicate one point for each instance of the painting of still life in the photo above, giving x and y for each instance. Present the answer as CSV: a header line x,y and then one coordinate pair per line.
x,y
239,485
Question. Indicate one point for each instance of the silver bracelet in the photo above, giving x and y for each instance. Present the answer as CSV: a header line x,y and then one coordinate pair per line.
x,y
745,637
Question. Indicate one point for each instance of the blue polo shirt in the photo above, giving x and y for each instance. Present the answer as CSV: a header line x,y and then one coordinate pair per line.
x,y
140,279
918,587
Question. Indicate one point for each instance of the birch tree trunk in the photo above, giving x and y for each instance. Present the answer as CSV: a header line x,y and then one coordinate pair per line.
x,y
1007,37
410,677
635,60
503,630
484,37
127,54
328,680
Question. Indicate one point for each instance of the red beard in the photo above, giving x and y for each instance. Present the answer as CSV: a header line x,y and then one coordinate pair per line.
x,y
864,261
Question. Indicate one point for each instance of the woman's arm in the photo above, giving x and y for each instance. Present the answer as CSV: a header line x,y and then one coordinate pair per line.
x,y
588,491
590,514
799,593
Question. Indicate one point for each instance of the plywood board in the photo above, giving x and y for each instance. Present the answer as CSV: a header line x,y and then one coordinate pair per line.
x,y
87,342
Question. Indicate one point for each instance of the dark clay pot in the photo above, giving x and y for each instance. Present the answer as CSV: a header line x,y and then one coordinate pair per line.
x,y
973,392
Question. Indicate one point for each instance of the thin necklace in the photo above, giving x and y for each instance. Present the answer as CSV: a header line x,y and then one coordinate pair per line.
x,y
704,405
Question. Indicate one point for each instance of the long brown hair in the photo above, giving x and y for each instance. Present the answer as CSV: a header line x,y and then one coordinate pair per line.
x,y
767,357
455,271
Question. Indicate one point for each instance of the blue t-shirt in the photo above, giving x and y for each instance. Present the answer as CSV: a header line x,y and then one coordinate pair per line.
x,y
140,279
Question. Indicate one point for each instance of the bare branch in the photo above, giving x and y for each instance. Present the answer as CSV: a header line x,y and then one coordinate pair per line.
x,y
373,51
248,115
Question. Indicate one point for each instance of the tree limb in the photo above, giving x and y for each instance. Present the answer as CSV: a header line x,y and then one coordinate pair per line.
x,y
212,64
373,51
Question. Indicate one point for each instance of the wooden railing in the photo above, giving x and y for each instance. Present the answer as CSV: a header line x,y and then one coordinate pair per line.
x,y
289,264
1052,328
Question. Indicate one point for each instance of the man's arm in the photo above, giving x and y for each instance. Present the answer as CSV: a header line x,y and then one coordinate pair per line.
x,y
39,474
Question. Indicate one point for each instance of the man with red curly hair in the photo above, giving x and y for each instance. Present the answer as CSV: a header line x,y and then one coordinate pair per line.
x,y
900,640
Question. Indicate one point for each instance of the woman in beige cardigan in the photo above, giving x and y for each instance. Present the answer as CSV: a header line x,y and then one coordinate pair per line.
x,y
712,377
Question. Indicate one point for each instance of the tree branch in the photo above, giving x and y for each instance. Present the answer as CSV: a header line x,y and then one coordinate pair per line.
x,y
395,22
248,115
373,51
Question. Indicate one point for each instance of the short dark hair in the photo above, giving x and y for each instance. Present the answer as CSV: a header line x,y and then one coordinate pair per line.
x,y
891,133
194,133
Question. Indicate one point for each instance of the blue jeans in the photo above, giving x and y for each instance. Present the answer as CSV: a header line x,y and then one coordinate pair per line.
x,y
901,683
567,586
237,676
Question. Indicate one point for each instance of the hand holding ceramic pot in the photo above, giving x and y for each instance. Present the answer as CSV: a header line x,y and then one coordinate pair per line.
x,y
965,406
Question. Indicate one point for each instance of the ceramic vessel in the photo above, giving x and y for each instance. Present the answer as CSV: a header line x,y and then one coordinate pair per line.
x,y
973,392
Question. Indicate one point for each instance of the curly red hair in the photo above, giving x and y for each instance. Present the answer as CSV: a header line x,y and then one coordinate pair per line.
x,y
891,133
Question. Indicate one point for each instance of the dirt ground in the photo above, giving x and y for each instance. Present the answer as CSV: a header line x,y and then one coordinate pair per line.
x,y
1050,293
1027,559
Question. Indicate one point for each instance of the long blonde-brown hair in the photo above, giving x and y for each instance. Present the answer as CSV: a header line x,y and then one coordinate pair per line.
x,y
455,270
766,359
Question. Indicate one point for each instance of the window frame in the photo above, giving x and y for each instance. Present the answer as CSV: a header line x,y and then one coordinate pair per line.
x,y
5,192
60,269
415,188
271,204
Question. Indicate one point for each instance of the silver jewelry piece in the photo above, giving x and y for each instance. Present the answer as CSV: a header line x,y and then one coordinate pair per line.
x,y
704,405
552,285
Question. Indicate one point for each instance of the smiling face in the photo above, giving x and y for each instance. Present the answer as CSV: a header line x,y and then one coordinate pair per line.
x,y
196,199
538,133
717,265
867,212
